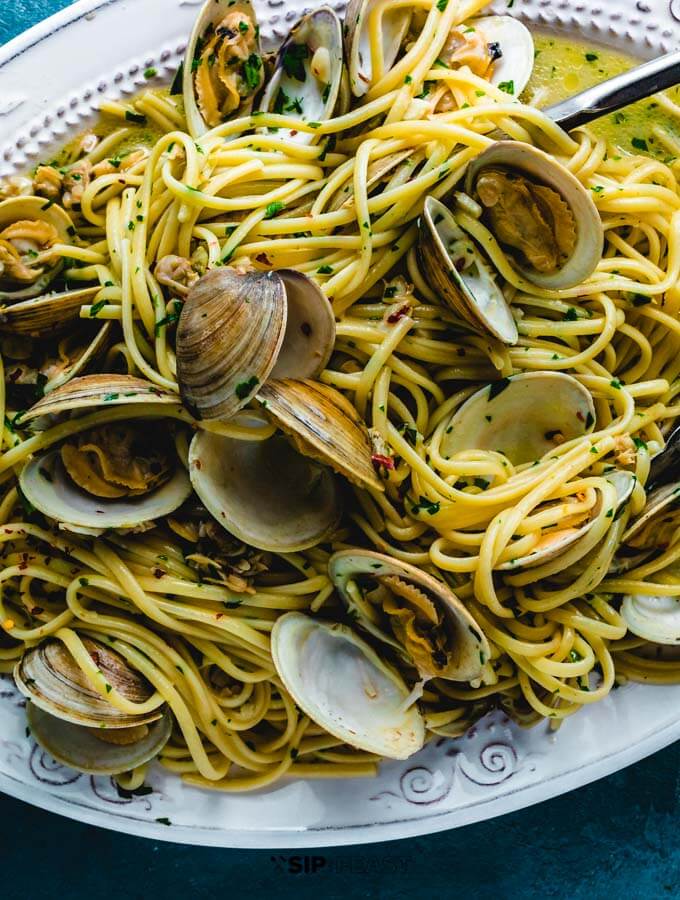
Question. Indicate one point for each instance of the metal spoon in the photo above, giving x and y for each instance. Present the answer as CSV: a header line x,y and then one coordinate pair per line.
x,y
622,90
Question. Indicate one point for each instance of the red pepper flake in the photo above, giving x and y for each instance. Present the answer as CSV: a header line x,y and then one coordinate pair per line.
x,y
399,314
580,416
158,573
379,460
293,132
197,463
219,615
263,258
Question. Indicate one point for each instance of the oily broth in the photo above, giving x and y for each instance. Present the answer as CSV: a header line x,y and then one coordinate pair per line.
x,y
564,67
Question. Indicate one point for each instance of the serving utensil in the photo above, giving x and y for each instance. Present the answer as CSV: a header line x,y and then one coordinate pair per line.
x,y
615,93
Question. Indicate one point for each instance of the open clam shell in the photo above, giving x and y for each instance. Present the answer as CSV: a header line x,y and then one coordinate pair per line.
x,y
323,425
308,72
32,209
513,50
264,492
518,185
46,484
223,68
85,751
391,34
340,682
653,618
458,272
90,392
659,520
310,329
238,329
45,316
557,541
416,614
524,417
52,680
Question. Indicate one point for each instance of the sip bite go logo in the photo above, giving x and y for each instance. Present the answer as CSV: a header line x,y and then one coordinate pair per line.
x,y
299,865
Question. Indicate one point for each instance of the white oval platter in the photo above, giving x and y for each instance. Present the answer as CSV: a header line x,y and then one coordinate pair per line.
x,y
51,81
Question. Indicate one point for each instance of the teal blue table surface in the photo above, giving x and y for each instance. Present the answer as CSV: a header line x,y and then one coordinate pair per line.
x,y
616,838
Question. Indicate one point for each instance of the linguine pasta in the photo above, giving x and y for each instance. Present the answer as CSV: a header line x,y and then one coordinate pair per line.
x,y
247,195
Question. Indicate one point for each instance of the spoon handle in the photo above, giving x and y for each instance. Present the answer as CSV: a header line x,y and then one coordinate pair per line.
x,y
615,93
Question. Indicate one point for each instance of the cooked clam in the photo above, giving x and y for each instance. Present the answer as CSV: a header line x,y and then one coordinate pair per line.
x,y
497,48
666,465
571,528
524,417
36,367
323,425
73,720
29,228
341,683
115,475
539,213
223,69
308,72
238,329
658,526
264,492
368,60
458,272
416,614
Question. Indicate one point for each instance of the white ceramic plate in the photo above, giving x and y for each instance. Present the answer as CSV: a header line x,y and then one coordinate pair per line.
x,y
51,80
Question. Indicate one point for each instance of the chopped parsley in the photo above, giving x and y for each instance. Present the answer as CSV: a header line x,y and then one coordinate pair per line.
x,y
251,71
150,72
507,86
273,209
294,61
96,308
245,388
639,144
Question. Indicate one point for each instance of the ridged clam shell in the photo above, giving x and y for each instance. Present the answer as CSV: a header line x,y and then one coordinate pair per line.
x,y
81,749
49,676
46,316
229,336
324,426
90,392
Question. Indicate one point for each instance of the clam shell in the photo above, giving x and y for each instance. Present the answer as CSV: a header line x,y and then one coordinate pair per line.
x,y
473,293
89,355
46,316
47,486
211,14
652,617
340,682
516,44
469,647
395,23
50,678
524,417
264,492
554,543
310,329
228,340
77,747
17,209
543,169
324,426
310,98
660,503
90,392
